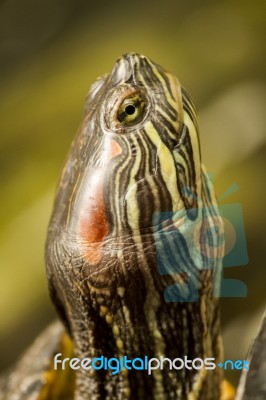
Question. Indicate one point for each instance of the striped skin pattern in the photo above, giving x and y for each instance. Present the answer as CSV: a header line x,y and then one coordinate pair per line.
x,y
137,158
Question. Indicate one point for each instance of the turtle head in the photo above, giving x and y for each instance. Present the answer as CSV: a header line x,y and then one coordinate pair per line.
x,y
137,155
138,148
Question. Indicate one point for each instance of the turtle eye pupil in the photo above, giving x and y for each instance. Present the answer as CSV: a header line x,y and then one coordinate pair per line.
x,y
130,109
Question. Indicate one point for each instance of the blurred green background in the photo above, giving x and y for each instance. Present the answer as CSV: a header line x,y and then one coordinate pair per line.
x,y
50,53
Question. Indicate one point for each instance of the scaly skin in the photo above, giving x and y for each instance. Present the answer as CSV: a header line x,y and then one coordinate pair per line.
x,y
109,256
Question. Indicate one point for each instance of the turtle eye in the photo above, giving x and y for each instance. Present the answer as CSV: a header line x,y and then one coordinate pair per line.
x,y
131,110
125,107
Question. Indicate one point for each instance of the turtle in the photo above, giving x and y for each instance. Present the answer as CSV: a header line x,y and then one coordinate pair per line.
x,y
133,253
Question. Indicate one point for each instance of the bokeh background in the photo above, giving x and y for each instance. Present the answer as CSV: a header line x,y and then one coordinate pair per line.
x,y
50,53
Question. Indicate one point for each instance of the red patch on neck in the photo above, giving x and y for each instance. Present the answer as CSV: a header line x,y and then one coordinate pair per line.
x,y
93,225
